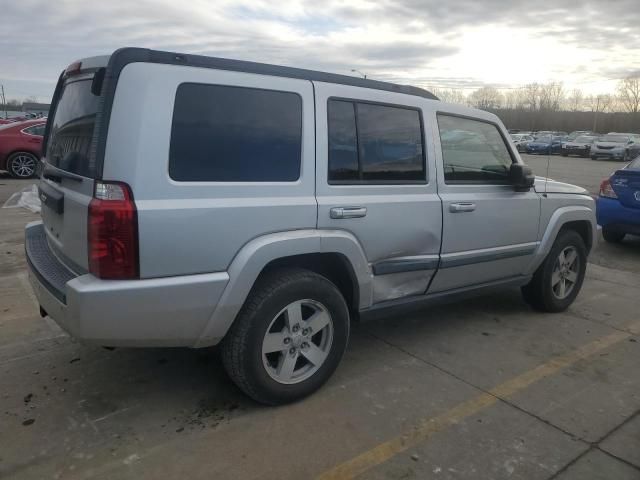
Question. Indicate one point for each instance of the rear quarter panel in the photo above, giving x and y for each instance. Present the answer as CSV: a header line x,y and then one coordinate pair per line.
x,y
197,227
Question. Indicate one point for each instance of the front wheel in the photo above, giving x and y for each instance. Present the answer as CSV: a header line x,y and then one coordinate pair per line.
x,y
288,338
557,282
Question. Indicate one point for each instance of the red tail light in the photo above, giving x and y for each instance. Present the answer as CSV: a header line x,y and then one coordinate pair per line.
x,y
606,190
113,232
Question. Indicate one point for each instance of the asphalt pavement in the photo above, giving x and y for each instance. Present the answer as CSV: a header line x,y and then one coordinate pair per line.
x,y
485,388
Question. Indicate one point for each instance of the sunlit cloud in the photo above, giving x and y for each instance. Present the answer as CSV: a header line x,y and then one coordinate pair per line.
x,y
462,44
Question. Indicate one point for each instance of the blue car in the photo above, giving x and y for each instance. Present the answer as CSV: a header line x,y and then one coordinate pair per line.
x,y
618,205
546,144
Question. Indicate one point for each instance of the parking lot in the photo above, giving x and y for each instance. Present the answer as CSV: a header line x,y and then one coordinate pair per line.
x,y
485,388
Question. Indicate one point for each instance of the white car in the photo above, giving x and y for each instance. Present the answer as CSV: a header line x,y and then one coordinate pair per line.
x,y
521,141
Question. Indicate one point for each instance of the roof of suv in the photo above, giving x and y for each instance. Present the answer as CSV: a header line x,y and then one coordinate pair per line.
x,y
124,56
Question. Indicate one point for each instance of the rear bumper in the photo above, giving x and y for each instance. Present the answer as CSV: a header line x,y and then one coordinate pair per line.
x,y
615,216
170,311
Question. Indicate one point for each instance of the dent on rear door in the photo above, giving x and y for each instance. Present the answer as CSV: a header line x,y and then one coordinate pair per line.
x,y
400,229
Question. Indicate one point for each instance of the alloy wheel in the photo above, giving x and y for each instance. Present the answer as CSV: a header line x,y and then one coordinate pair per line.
x,y
23,165
565,273
297,341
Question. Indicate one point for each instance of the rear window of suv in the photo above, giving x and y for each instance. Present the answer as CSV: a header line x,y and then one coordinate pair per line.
x,y
235,134
72,127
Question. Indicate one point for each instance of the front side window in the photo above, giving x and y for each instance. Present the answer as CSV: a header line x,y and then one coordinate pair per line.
x,y
235,134
372,143
473,151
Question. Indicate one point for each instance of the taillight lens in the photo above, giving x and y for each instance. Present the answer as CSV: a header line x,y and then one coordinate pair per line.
x,y
606,190
113,232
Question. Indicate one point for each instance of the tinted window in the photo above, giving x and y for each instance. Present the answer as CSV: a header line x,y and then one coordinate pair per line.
x,y
72,129
473,151
35,130
343,146
374,143
390,143
235,134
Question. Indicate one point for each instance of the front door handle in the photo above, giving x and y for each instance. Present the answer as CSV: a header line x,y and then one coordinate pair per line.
x,y
347,212
462,207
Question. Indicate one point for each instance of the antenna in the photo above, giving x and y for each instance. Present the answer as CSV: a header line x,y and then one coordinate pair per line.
x,y
4,102
546,176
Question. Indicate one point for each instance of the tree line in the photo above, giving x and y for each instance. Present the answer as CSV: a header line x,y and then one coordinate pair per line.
x,y
548,106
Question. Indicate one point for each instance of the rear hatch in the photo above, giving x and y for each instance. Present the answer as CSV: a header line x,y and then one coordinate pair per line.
x,y
626,184
69,167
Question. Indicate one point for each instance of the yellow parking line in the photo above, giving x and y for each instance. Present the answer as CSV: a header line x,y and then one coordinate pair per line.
x,y
428,427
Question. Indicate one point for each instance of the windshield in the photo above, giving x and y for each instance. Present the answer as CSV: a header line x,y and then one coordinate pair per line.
x,y
614,138
72,128
584,140
545,139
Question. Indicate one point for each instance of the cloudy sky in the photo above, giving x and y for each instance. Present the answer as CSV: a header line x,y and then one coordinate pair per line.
x,y
464,44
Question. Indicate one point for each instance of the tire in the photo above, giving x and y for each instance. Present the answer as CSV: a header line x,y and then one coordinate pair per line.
x,y
565,154
22,164
612,236
264,376
542,292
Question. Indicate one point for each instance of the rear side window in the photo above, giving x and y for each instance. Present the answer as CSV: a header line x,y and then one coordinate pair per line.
x,y
343,142
235,134
372,143
35,130
74,120
473,151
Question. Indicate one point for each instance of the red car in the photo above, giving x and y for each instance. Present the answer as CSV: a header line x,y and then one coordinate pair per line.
x,y
20,147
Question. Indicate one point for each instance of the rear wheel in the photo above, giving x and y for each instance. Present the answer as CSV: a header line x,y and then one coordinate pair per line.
x,y
288,338
557,282
564,154
22,165
612,236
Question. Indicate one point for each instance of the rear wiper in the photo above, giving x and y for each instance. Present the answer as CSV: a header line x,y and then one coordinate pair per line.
x,y
56,174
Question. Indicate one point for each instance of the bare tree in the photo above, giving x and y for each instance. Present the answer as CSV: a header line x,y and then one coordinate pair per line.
x,y
575,100
629,94
550,96
515,99
599,103
450,95
531,93
486,98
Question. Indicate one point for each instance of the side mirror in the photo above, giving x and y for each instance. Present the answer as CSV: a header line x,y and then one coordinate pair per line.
x,y
522,177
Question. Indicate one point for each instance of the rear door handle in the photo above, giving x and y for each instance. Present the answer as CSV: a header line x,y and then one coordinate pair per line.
x,y
462,207
347,212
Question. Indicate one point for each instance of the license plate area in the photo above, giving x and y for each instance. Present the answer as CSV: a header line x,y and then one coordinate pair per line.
x,y
51,198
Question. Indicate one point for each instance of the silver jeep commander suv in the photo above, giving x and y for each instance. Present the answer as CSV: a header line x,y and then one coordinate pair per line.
x,y
190,201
